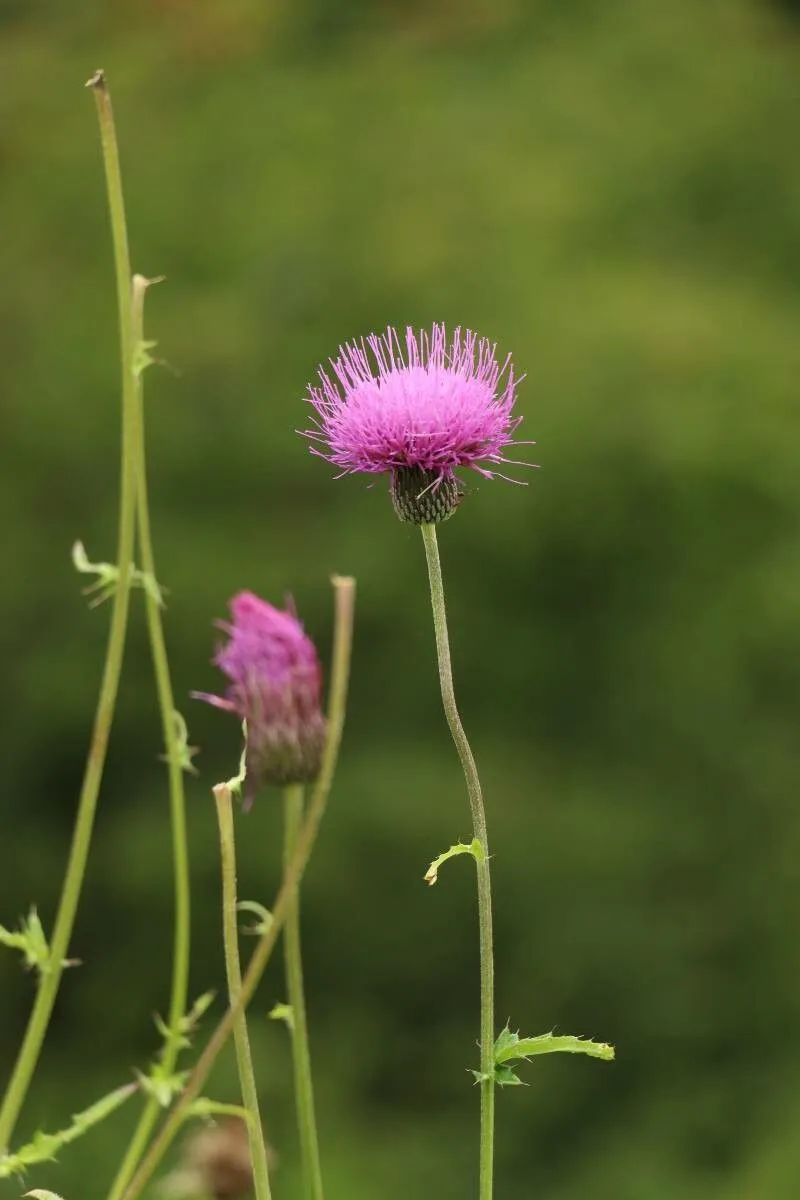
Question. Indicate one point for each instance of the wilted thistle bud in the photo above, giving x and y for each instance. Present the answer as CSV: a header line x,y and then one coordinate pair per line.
x,y
275,686
215,1162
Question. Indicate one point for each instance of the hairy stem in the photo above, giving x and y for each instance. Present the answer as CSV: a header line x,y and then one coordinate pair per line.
x,y
172,748
301,1055
30,1049
344,592
482,862
233,970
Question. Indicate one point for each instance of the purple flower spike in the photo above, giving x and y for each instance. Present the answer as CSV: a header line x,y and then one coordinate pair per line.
x,y
275,686
416,414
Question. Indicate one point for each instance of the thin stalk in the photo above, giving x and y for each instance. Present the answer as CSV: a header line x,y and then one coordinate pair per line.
x,y
172,748
344,593
49,981
233,970
482,862
301,1055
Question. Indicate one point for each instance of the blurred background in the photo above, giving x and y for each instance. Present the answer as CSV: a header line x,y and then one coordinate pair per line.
x,y
611,191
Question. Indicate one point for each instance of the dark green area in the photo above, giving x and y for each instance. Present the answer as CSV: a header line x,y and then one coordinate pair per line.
x,y
612,192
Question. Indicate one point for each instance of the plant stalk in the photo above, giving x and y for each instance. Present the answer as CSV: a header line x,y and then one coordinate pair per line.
x,y
233,970
482,862
49,981
172,749
301,1054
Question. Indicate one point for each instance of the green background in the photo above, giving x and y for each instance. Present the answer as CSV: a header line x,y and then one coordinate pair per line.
x,y
611,191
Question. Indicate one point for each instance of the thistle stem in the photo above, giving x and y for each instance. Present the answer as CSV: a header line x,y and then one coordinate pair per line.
x,y
233,970
301,1055
49,981
344,592
482,862
170,730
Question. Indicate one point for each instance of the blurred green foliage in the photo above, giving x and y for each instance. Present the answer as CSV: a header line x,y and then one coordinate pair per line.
x,y
612,191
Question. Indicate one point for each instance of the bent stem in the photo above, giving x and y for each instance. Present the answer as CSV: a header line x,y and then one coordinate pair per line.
x,y
50,979
301,1055
344,593
172,749
481,862
233,971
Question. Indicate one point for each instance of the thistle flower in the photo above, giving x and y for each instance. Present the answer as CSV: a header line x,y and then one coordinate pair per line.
x,y
416,415
275,685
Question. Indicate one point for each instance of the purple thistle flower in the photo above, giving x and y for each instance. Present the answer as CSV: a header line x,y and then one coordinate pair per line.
x,y
416,415
275,686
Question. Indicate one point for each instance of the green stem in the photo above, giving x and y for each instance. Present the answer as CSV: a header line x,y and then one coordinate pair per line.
x,y
301,1055
233,970
30,1049
344,592
170,733
482,862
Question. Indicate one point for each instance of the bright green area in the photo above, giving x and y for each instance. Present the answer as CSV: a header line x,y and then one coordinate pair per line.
x,y
612,191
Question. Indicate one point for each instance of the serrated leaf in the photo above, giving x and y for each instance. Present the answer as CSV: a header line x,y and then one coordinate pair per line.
x,y
30,940
161,1086
474,848
510,1047
43,1147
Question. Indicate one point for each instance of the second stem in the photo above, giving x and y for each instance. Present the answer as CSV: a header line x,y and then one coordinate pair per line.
x,y
482,862
301,1056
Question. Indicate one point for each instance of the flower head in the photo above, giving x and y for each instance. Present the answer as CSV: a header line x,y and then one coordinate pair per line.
x,y
417,413
275,686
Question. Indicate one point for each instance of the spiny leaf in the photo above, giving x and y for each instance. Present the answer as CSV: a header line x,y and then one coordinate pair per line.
x,y
108,578
510,1047
30,940
474,848
185,753
43,1147
163,1087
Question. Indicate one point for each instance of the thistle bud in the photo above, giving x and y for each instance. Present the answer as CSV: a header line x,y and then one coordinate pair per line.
x,y
275,686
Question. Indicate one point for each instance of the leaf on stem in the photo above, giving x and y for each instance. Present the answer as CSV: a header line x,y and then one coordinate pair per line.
x,y
43,1147
474,848
510,1047
185,753
108,577
32,944
282,1012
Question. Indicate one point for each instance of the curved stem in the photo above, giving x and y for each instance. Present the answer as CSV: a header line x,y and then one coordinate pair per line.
x,y
172,747
301,1055
233,970
30,1049
482,862
344,592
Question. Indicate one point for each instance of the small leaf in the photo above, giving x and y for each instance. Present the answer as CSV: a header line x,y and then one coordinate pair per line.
x,y
30,940
43,1194
43,1147
510,1046
264,917
282,1012
181,748
161,1086
474,848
